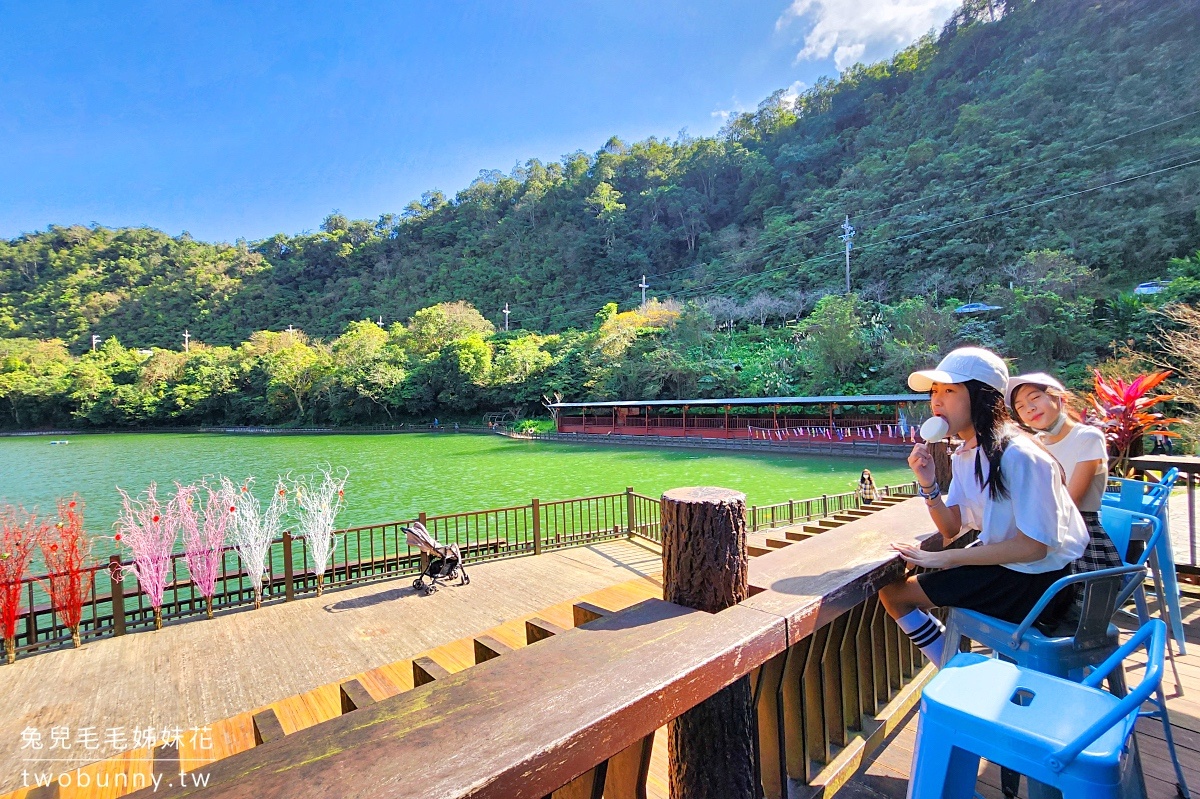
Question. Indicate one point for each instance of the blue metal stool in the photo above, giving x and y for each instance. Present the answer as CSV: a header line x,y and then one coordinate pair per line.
x,y
1094,639
1151,498
1070,736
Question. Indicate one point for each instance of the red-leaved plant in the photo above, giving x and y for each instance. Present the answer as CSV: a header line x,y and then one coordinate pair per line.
x,y
66,550
20,532
1123,412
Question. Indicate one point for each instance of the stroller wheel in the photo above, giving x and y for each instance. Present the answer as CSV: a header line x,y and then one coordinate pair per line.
x,y
432,587
418,584
465,579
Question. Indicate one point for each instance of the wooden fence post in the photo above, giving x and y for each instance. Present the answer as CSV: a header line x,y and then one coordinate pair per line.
x,y
710,748
536,506
289,586
118,594
630,511
423,518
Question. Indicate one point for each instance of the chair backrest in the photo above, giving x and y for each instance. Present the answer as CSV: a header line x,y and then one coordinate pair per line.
x,y
1104,591
1153,636
1141,496
1100,603
1120,524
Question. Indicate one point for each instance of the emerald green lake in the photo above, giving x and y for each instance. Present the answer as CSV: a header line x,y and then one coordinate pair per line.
x,y
397,476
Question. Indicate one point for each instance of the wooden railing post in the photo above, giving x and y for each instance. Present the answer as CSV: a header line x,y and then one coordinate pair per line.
x,y
536,506
118,594
710,748
824,504
423,518
630,511
289,586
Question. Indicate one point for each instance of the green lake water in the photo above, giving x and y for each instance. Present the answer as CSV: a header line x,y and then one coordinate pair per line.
x,y
397,476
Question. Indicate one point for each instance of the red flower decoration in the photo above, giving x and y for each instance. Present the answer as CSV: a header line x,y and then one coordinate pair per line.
x,y
282,492
117,537
243,489
71,504
232,508
154,519
54,547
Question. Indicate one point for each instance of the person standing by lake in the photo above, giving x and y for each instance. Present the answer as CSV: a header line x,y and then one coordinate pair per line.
x,y
867,493
1042,405
1030,531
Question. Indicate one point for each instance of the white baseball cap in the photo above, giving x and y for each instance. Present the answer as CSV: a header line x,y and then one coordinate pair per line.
x,y
961,365
1033,378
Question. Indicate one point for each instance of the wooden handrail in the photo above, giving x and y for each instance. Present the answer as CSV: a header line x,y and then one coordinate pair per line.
x,y
533,720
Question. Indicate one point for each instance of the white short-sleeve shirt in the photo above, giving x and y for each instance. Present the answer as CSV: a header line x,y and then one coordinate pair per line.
x,y
1083,443
964,490
1037,505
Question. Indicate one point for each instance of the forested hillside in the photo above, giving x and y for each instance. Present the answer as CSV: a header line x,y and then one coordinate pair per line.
x,y
1041,156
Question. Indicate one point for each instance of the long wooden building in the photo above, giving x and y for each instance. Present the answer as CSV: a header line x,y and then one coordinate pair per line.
x,y
886,418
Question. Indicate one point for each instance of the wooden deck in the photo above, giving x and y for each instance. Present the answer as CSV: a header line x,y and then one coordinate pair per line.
x,y
289,657
886,775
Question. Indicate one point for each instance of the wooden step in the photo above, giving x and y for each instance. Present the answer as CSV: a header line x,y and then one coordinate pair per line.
x,y
778,543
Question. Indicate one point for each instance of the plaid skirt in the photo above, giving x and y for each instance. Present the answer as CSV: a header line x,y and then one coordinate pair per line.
x,y
1101,552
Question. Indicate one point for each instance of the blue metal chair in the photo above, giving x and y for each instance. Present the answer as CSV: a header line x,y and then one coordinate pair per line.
x,y
1093,640
1151,498
1072,737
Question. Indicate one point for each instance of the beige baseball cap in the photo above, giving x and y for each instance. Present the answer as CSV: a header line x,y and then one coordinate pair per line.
x,y
961,365
1033,378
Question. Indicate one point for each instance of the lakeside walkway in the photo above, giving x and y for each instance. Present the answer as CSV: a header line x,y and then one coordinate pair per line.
x,y
193,674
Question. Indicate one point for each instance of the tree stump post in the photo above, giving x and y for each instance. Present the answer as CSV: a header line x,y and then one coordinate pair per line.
x,y
941,464
710,748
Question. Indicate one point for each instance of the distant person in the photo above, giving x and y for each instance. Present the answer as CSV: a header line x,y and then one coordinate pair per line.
x,y
1030,531
435,423
1042,405
867,493
456,427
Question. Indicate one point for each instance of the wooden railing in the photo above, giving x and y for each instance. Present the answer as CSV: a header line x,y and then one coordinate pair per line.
x,y
576,715
117,606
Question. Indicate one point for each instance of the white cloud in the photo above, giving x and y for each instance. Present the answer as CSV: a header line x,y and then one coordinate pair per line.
x,y
793,91
863,29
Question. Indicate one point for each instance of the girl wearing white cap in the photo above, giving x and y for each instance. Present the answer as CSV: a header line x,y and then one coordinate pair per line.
x,y
1041,405
1004,485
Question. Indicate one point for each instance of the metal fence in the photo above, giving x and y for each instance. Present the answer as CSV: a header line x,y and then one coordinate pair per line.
x,y
115,604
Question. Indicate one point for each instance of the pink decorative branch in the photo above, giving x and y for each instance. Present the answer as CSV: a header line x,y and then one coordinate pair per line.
x,y
149,529
204,538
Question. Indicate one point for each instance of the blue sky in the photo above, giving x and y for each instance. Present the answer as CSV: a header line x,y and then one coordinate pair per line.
x,y
244,119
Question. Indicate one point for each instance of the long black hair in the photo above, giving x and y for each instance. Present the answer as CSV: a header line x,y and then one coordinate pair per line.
x,y
990,418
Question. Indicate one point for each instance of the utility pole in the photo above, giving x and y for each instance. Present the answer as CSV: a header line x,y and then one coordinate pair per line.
x,y
847,236
380,323
291,331
95,341
643,286
187,345
506,317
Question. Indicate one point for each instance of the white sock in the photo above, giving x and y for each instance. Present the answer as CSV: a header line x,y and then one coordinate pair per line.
x,y
926,632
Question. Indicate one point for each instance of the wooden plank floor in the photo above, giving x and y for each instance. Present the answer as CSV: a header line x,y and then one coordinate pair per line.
x,y
886,775
286,656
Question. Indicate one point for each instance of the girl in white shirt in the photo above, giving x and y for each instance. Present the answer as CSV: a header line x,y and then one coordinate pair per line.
x,y
1030,529
1042,406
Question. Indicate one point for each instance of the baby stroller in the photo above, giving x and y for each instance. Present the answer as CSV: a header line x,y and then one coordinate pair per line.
x,y
445,562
